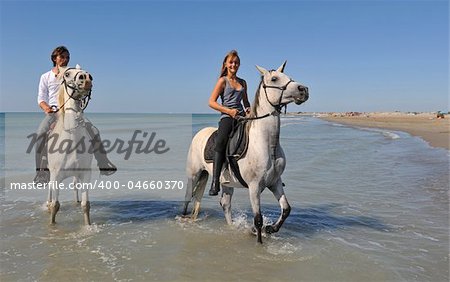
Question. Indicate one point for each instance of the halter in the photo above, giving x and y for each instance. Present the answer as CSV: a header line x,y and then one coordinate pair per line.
x,y
84,101
277,107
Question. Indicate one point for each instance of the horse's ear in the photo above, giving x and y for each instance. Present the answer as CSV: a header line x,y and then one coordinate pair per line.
x,y
281,68
262,70
78,67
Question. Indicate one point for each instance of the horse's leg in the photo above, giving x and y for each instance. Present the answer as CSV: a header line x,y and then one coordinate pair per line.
x,y
49,198
278,192
255,200
188,195
86,207
225,202
199,190
75,190
85,204
54,194
192,189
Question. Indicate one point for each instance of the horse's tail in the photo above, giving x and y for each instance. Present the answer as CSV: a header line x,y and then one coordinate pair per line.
x,y
196,169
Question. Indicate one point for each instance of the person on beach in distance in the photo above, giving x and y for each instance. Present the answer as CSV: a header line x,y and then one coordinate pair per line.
x,y
48,101
232,90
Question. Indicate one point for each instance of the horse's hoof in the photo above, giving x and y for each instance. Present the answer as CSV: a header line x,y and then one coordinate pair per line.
x,y
270,229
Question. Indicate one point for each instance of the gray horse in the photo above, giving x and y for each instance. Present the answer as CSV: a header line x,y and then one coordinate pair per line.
x,y
264,161
71,134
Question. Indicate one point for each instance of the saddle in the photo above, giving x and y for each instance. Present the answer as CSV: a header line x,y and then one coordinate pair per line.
x,y
237,146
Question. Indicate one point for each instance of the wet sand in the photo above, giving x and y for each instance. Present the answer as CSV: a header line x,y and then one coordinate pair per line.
x,y
436,131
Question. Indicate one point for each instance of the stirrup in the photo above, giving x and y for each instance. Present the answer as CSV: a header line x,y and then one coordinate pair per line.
x,y
108,170
42,176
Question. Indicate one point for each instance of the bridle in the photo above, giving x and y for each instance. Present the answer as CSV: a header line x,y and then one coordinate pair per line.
x,y
278,107
84,101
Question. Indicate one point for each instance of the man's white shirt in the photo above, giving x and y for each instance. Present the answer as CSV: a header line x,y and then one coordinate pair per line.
x,y
48,88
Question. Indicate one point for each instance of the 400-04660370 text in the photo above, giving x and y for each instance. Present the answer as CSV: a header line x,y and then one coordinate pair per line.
x,y
103,185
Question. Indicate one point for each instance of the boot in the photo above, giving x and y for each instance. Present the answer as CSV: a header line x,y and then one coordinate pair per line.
x,y
42,176
42,171
217,169
104,164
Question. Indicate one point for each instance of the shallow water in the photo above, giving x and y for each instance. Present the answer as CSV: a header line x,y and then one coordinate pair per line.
x,y
367,205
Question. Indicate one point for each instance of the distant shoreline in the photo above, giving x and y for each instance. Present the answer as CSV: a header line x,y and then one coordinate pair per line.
x,y
434,130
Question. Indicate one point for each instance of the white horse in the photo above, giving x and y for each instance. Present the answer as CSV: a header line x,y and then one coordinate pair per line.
x,y
264,161
68,144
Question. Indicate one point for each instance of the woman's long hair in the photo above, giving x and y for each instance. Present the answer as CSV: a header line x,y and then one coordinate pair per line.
x,y
232,54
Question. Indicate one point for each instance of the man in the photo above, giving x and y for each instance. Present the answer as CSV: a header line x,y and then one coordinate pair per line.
x,y
48,101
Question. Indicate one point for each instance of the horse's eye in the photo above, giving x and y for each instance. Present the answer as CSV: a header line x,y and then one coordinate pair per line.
x,y
274,78
67,74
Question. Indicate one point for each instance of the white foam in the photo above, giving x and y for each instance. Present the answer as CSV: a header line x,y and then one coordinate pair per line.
x,y
426,237
282,249
376,244
390,135
240,221
289,123
387,134
43,207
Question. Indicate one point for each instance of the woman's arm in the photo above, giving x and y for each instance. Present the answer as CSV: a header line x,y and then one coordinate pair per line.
x,y
245,98
220,86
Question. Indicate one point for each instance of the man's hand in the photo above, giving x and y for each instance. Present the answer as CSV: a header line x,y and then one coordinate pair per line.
x,y
45,107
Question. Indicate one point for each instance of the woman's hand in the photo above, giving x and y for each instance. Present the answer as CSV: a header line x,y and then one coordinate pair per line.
x,y
233,113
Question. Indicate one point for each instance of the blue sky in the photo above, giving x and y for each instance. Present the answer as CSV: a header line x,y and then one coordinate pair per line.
x,y
165,56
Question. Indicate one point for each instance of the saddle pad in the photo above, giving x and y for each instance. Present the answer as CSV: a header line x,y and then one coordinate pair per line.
x,y
208,153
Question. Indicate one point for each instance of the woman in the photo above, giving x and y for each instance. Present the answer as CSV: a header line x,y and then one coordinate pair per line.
x,y
232,90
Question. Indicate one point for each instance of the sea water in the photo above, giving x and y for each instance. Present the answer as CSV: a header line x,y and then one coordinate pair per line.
x,y
367,205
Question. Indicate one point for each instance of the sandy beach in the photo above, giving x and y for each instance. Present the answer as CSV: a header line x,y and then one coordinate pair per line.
x,y
425,125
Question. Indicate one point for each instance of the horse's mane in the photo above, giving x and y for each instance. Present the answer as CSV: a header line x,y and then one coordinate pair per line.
x,y
255,104
61,99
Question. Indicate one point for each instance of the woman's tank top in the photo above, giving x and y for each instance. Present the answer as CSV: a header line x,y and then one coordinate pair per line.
x,y
232,98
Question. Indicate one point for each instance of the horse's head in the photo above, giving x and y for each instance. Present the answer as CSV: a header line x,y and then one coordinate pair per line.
x,y
75,91
78,81
280,89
